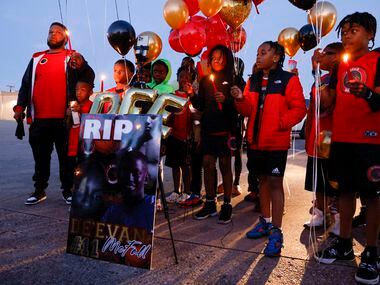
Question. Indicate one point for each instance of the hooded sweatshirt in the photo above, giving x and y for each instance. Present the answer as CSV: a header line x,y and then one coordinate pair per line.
x,y
164,86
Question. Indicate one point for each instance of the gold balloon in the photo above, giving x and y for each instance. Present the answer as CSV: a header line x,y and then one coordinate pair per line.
x,y
323,16
176,13
235,12
134,95
288,38
210,7
164,102
101,98
148,47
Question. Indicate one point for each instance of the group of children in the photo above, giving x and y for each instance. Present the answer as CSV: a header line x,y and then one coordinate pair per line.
x,y
345,105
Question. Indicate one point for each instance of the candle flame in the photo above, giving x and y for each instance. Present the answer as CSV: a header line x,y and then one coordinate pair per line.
x,y
346,57
67,33
72,103
212,77
103,77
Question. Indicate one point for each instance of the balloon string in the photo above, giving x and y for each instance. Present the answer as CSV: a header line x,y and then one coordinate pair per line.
x,y
126,70
117,10
129,13
60,10
105,23
91,37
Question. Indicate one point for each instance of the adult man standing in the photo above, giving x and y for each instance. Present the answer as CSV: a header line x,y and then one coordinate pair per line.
x,y
47,86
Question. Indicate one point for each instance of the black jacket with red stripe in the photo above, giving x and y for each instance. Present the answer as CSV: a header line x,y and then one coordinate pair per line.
x,y
283,107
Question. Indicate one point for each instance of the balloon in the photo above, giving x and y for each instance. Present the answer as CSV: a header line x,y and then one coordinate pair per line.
x,y
210,7
198,19
238,38
303,4
324,15
192,38
307,38
134,95
216,32
235,12
148,47
257,3
174,41
193,6
288,38
176,13
121,36
101,98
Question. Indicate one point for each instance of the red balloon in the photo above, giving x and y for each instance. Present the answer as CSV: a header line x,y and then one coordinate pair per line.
x,y
192,38
238,38
257,3
174,41
198,19
204,55
216,32
193,6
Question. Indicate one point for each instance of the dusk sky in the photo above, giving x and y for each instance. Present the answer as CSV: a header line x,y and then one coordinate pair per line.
x,y
24,27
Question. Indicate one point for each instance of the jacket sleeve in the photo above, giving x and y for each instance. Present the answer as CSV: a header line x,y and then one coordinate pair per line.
x,y
296,104
245,105
198,100
26,87
85,73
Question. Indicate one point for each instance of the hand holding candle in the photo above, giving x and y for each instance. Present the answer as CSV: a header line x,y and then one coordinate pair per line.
x,y
212,78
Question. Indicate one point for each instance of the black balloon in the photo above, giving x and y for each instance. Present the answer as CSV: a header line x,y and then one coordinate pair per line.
x,y
121,36
307,38
303,4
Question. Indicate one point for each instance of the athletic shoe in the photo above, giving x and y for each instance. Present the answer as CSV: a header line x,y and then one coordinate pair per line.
x,y
172,198
183,197
337,251
275,242
359,220
159,206
367,272
225,214
193,200
236,191
37,197
67,196
252,197
335,229
316,220
208,210
260,230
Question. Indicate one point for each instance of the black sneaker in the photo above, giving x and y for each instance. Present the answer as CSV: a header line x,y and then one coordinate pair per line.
x,y
67,195
360,220
37,197
225,214
367,272
336,251
208,210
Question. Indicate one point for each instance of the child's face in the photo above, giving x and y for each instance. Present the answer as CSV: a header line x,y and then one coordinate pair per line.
x,y
355,38
183,78
119,74
159,72
83,91
328,58
266,57
218,60
146,75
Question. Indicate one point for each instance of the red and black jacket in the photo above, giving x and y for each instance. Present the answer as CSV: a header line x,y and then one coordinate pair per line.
x,y
283,107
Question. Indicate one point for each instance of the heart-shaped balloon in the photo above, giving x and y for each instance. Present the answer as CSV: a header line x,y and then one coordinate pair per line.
x,y
235,12
121,36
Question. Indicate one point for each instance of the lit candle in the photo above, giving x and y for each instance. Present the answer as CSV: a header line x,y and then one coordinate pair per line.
x,y
102,78
212,78
68,40
346,58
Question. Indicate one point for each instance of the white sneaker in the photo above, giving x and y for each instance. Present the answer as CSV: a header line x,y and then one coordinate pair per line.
x,y
159,206
316,219
335,228
172,198
183,197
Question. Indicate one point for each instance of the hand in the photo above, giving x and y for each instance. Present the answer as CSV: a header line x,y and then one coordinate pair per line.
x,y
294,71
358,89
19,115
219,97
188,88
195,87
236,92
316,58
76,60
75,107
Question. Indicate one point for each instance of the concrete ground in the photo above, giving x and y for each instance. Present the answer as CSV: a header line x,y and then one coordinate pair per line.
x,y
33,238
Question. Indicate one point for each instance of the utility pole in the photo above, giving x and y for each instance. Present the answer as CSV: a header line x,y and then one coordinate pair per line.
x,y
10,88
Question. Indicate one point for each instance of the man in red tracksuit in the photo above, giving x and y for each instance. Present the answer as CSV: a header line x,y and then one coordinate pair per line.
x,y
47,86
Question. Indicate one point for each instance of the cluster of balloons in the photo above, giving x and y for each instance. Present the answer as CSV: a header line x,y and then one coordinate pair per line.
x,y
322,17
122,37
191,33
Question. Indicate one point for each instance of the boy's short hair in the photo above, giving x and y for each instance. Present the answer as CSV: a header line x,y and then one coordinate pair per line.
x,y
59,25
125,62
89,84
364,19
186,69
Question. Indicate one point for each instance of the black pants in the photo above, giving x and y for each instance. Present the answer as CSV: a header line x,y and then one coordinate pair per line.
x,y
44,134
253,181
196,170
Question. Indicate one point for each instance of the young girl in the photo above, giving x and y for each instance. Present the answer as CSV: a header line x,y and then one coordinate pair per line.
x,y
274,102
355,151
326,59
218,121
